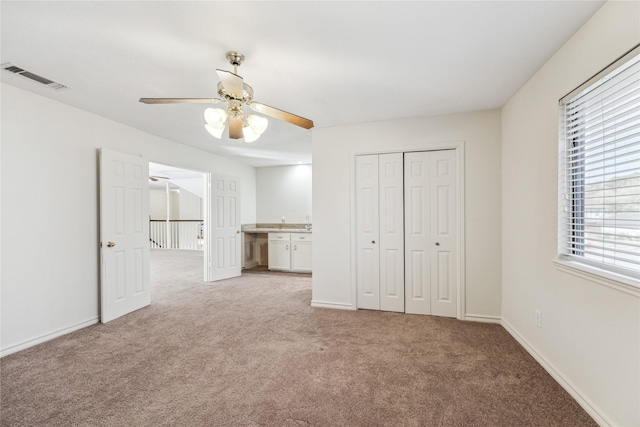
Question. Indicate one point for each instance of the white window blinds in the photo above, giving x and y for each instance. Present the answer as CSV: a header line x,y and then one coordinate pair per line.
x,y
600,169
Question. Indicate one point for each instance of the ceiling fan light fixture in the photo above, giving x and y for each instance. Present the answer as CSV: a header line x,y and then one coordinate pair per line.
x,y
257,123
249,134
215,118
215,131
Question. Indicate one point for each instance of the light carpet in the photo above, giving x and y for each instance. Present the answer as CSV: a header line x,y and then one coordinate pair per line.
x,y
250,351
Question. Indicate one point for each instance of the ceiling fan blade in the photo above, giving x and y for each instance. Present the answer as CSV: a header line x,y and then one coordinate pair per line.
x,y
281,115
181,100
232,83
235,128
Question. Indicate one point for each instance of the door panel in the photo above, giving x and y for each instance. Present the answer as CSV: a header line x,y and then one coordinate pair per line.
x,y
417,181
444,238
301,256
390,190
124,234
367,246
225,233
430,179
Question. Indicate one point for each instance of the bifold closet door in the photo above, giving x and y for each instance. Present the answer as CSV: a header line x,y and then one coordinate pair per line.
x,y
380,232
430,233
368,254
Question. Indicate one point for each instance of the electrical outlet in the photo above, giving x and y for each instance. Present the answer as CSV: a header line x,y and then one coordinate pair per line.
x,y
539,318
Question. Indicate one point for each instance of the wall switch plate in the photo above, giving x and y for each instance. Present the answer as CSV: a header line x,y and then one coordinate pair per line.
x,y
539,318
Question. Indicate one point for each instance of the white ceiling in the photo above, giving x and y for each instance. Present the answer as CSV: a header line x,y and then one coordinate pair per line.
x,y
336,63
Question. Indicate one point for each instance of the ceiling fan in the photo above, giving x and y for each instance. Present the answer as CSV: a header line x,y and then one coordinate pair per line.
x,y
236,94
155,178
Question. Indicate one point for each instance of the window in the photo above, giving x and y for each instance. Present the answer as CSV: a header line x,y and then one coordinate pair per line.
x,y
599,222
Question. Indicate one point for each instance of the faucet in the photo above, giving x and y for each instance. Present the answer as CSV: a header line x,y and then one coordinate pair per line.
x,y
308,226
282,225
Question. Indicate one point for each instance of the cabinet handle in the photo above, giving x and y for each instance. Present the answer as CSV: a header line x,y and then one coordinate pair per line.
x,y
286,247
295,247
373,241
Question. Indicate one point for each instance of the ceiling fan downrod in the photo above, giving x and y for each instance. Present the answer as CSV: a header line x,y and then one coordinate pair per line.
x,y
235,59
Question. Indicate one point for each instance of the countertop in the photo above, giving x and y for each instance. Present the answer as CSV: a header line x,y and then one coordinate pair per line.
x,y
276,230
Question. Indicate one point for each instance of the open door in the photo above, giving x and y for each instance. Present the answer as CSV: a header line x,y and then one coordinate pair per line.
x,y
124,234
224,229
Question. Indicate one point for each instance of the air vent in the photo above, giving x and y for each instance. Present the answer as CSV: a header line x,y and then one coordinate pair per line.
x,y
31,76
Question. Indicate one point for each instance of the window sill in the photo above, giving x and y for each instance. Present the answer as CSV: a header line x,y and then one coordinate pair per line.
x,y
609,279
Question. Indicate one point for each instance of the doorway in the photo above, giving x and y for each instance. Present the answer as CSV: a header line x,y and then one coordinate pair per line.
x,y
177,208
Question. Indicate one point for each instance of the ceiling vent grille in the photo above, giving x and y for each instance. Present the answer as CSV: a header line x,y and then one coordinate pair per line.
x,y
31,76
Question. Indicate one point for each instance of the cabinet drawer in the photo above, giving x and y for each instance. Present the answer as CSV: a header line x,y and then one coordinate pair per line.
x,y
301,237
280,236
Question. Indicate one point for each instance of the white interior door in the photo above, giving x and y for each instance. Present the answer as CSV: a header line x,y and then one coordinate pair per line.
x,y
124,234
224,228
417,233
444,251
390,179
430,233
367,246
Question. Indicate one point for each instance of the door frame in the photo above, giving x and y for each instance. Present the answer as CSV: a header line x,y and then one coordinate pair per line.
x,y
206,215
459,147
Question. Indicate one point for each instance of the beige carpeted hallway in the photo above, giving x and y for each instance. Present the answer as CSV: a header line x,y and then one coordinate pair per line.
x,y
251,351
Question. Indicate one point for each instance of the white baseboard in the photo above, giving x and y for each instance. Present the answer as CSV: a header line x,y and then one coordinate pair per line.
x,y
334,305
46,337
482,318
582,400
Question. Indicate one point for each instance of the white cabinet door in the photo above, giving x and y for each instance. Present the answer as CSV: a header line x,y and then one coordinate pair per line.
x,y
279,251
301,256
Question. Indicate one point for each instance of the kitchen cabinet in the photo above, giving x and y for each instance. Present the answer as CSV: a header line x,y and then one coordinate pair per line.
x,y
279,251
290,252
301,254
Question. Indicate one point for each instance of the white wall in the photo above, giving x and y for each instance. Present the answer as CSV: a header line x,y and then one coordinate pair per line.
x,y
50,274
158,204
333,151
189,206
590,334
283,191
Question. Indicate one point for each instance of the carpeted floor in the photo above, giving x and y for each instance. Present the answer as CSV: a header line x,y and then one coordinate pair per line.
x,y
250,351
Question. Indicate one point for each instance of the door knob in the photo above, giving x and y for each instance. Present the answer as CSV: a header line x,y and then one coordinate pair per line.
x,y
110,244
373,241
437,244
238,232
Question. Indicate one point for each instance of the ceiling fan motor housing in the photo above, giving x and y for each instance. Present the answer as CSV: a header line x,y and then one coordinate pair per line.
x,y
247,93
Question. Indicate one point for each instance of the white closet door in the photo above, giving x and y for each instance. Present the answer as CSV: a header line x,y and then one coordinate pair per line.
x,y
444,252
367,246
390,179
417,192
430,240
